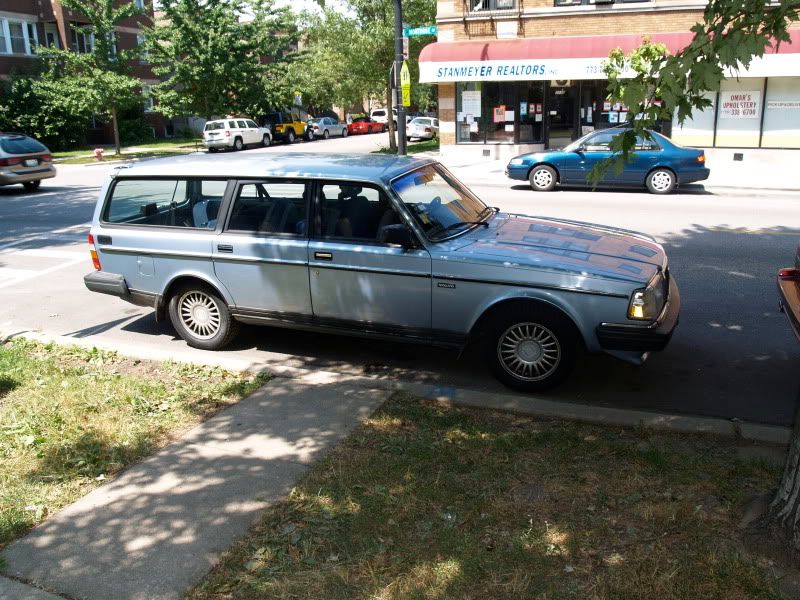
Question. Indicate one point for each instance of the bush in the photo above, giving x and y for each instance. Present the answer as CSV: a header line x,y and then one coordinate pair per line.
x,y
134,131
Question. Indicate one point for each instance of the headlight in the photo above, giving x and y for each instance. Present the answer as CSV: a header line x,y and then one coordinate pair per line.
x,y
516,162
646,304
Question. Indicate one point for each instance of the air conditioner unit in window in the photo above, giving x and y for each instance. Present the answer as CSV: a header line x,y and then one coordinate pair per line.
x,y
560,83
566,2
601,1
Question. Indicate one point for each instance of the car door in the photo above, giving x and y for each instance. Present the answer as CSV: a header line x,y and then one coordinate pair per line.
x,y
261,256
358,281
253,132
647,155
594,149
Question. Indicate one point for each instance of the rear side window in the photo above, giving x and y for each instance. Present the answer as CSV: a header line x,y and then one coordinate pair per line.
x,y
21,145
214,125
242,124
191,202
270,207
232,124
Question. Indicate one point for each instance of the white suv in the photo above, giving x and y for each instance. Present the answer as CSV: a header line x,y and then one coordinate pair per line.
x,y
379,116
234,133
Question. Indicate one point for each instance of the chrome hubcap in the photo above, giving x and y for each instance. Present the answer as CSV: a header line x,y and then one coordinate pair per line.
x,y
542,178
661,181
529,351
199,314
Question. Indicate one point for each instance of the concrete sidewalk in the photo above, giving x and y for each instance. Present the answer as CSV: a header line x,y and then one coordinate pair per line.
x,y
158,528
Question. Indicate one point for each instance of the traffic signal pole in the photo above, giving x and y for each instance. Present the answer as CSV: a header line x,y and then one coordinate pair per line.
x,y
398,64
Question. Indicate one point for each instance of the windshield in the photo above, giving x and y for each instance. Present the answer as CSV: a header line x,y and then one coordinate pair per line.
x,y
421,121
441,205
574,145
214,125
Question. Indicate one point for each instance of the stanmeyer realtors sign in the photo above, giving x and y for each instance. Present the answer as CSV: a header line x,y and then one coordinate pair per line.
x,y
512,70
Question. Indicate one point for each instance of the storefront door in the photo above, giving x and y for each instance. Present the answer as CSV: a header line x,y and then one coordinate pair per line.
x,y
561,113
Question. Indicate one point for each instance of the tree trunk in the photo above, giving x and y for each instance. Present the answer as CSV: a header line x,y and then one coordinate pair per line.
x,y
390,120
784,512
115,127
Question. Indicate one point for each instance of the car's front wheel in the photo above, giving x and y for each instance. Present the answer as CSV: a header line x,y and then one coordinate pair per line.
x,y
201,317
543,178
31,186
661,181
266,141
309,135
530,348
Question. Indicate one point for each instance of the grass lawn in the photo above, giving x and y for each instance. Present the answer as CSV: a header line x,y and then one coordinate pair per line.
x,y
72,418
150,149
415,147
426,501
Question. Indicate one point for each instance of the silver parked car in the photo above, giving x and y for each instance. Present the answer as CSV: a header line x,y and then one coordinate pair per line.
x,y
325,127
24,160
371,245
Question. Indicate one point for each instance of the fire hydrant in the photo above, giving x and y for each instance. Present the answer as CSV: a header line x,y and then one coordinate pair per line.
x,y
98,154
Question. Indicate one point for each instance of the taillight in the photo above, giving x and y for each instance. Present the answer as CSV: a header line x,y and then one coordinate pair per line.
x,y
93,252
702,158
46,157
427,130
227,133
316,127
7,162
789,275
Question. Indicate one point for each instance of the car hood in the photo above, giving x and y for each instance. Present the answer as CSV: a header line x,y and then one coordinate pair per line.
x,y
585,248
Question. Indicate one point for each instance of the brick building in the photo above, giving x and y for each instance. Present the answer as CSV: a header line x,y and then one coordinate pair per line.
x,y
24,24
523,75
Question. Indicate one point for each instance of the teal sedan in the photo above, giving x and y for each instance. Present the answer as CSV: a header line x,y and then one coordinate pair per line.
x,y
657,164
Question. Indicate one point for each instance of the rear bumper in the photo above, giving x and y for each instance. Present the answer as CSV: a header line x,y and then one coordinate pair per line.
x,y
217,143
789,301
8,177
693,175
106,283
643,338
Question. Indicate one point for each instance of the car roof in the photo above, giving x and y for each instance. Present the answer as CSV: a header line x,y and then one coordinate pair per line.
x,y
359,167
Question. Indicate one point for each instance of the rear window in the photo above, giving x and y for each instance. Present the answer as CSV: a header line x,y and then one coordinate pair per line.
x,y
212,125
273,118
21,145
379,113
165,202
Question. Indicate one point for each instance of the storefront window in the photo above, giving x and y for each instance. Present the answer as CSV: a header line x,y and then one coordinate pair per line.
x,y
469,105
739,113
782,113
531,112
500,101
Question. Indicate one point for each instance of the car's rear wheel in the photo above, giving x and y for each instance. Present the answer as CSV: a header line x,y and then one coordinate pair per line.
x,y
325,135
383,128
661,181
212,150
543,178
290,136
344,132
31,186
238,144
530,348
266,141
201,317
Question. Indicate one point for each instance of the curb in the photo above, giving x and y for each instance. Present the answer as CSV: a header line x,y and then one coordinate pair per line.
x,y
506,401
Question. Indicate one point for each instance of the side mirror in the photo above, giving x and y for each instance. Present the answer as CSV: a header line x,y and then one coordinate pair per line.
x,y
399,235
580,149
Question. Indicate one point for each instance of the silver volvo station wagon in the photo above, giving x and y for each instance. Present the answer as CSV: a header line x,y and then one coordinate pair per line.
x,y
371,245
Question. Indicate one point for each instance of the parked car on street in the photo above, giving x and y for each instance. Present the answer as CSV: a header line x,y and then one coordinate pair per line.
x,y
789,293
287,125
24,160
325,127
423,128
365,125
379,115
234,133
657,164
377,246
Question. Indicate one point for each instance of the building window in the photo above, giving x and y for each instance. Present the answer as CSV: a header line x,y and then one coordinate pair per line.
x,y
82,41
484,5
139,4
112,45
149,102
51,38
144,56
17,37
494,112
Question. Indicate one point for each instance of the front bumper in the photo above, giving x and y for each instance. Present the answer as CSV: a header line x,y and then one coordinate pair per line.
x,y
789,302
519,172
643,338
9,177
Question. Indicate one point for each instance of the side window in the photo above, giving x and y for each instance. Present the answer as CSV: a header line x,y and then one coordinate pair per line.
x,y
232,124
251,124
354,212
276,207
600,142
166,202
645,144
242,124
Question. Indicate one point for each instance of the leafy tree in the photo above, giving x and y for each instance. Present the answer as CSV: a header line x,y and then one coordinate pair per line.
x,y
221,56
731,34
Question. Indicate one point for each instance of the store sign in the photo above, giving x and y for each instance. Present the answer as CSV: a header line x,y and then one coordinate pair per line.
x,y
783,104
512,70
740,104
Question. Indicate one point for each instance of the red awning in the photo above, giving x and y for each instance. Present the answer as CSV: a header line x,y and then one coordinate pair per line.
x,y
563,47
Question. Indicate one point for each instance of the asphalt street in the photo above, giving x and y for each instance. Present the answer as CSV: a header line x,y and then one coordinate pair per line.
x,y
732,355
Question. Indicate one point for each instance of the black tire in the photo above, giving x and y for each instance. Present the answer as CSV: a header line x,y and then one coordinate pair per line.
x,y
266,141
238,144
325,135
290,136
383,128
309,135
661,181
212,150
543,178
189,304
530,347
344,132
31,186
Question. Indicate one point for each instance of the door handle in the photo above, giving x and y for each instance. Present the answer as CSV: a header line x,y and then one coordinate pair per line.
x,y
225,247
323,255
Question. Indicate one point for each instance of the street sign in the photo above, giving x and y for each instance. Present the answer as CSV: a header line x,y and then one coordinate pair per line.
x,y
415,31
405,84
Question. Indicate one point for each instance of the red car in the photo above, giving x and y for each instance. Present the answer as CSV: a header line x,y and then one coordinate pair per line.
x,y
789,293
365,125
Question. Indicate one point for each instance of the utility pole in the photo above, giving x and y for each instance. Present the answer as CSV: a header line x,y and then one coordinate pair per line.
x,y
398,63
